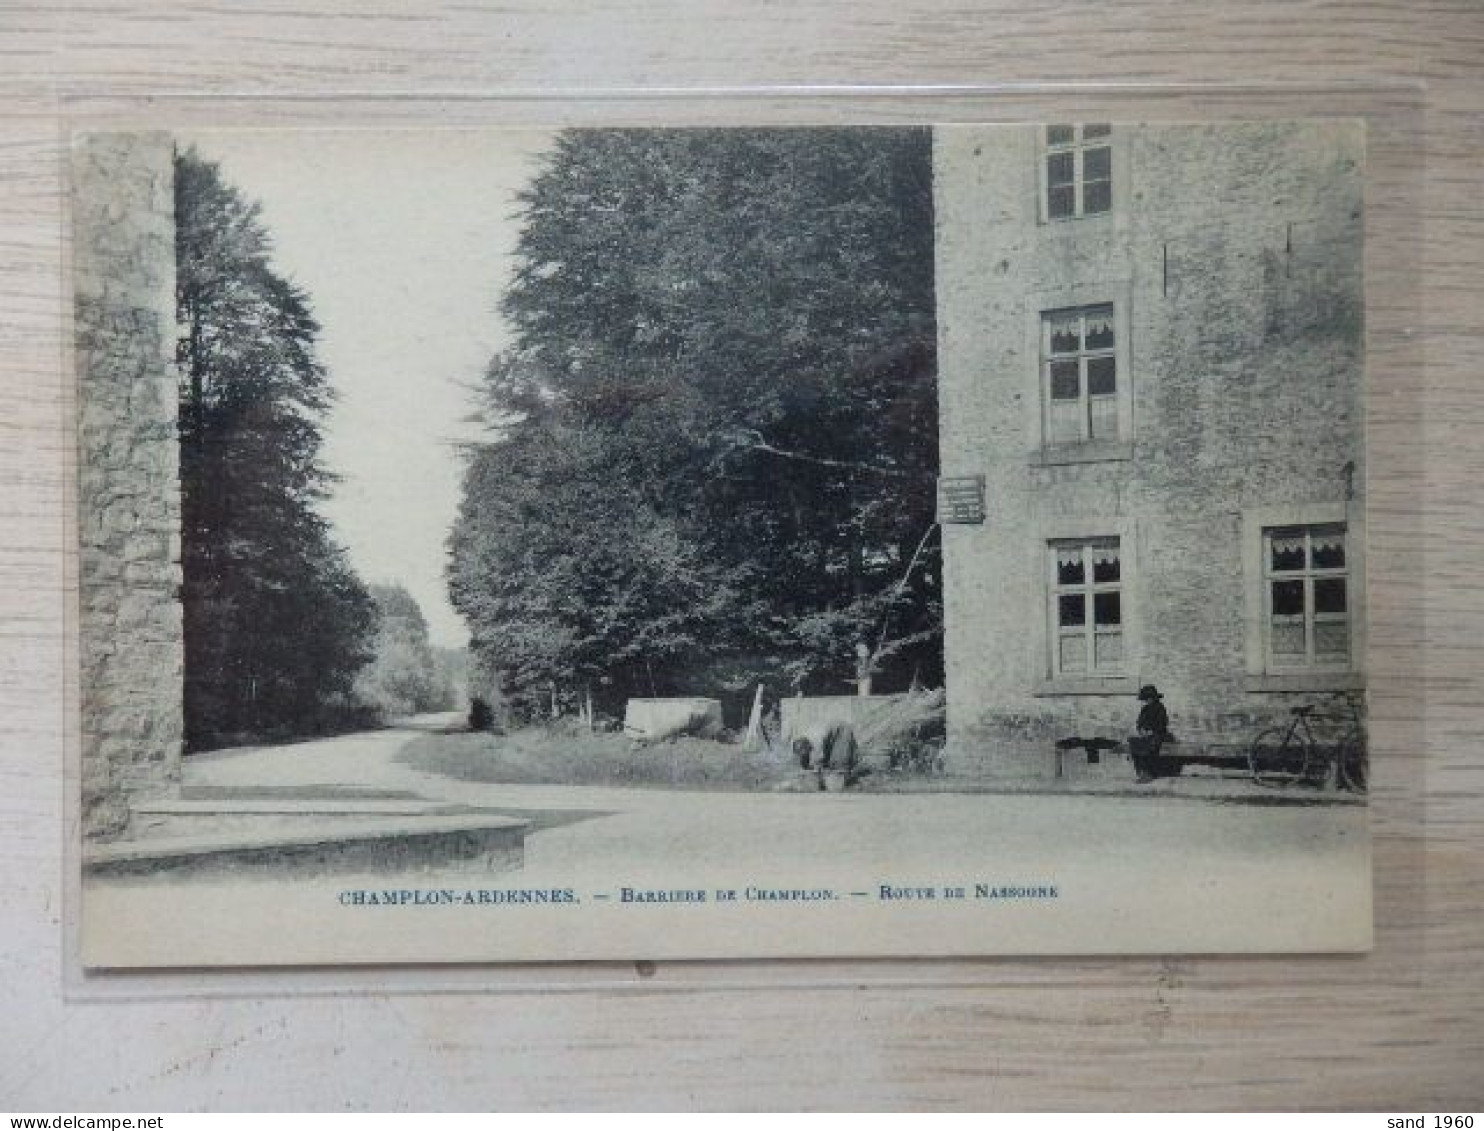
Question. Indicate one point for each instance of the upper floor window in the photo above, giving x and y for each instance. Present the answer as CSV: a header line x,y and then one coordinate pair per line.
x,y
1079,170
1087,608
1079,373
1308,599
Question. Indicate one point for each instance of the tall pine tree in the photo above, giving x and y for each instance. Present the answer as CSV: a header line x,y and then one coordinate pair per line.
x,y
276,622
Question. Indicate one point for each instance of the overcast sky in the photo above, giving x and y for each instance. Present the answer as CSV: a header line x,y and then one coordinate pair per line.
x,y
402,241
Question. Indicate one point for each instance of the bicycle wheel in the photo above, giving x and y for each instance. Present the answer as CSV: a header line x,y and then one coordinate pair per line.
x,y
1274,758
1352,763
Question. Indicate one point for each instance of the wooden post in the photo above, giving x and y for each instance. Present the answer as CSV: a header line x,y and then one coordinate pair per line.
x,y
755,722
587,706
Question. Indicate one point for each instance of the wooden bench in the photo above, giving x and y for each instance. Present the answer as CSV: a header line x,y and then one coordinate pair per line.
x,y
1172,759
1222,755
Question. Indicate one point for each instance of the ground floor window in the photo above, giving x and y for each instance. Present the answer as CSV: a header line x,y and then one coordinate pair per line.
x,y
1306,596
1087,607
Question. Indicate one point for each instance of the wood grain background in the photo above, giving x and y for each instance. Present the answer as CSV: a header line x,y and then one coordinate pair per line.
x,y
1402,1028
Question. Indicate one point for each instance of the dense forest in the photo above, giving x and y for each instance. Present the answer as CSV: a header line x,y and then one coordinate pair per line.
x,y
714,436
407,675
276,623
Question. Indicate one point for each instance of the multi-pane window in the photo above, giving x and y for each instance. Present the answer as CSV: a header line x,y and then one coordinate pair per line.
x,y
1087,608
1307,589
1079,371
1079,170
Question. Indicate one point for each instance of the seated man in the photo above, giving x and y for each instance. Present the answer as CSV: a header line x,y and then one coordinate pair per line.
x,y
1153,726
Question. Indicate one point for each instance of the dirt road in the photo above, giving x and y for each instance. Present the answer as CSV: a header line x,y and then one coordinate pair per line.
x,y
1147,870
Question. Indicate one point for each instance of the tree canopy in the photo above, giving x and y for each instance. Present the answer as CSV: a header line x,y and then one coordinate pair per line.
x,y
405,675
276,622
715,432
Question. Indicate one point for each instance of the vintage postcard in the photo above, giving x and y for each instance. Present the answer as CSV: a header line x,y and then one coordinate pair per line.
x,y
695,543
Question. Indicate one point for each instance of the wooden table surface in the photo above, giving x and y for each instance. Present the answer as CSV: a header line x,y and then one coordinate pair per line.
x,y
1402,1028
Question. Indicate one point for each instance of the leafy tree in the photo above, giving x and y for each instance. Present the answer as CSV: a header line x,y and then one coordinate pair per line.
x,y
573,578
405,676
718,419
276,623
451,666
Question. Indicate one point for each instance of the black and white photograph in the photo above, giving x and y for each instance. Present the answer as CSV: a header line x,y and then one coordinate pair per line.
x,y
746,542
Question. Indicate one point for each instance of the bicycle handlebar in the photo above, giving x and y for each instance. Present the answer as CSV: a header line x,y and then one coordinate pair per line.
x,y
1350,712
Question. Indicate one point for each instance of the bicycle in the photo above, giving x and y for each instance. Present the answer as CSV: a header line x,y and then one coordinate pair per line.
x,y
1287,755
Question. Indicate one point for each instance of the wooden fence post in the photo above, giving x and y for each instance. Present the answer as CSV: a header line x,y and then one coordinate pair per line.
x,y
755,722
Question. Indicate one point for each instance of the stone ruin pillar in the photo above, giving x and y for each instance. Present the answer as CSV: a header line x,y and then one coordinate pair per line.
x,y
131,645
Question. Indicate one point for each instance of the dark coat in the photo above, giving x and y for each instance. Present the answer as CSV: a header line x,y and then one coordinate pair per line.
x,y
1153,719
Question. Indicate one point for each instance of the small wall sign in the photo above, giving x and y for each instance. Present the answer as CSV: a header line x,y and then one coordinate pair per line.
x,y
961,499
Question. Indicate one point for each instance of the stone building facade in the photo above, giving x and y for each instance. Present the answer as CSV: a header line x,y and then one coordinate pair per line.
x,y
1151,350
131,650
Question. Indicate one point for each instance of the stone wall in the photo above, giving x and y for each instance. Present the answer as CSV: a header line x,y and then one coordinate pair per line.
x,y
129,475
810,717
1233,258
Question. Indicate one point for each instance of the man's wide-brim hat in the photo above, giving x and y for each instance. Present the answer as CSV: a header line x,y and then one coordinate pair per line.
x,y
1148,692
